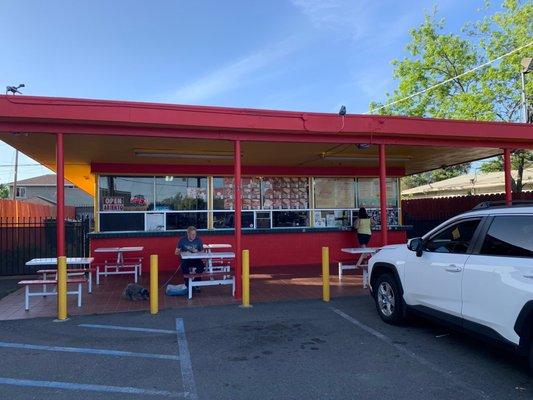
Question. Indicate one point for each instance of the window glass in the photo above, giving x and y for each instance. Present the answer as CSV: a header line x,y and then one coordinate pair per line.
x,y
285,193
223,193
509,236
455,239
181,193
222,220
334,192
251,193
126,193
262,220
285,219
332,218
183,220
368,192
121,222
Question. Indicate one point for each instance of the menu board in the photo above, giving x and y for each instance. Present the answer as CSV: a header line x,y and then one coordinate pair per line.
x,y
375,215
334,192
368,192
285,193
251,193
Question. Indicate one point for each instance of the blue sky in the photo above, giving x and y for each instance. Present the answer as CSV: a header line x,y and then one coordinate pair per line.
x,y
311,55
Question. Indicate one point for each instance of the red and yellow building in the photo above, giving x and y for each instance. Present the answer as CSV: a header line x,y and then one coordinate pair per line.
x,y
154,169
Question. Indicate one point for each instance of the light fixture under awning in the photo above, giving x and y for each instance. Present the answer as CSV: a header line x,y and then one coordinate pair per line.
x,y
190,156
358,158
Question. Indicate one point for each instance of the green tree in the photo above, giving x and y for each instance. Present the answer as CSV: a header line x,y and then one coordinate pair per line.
x,y
489,94
4,191
434,176
519,161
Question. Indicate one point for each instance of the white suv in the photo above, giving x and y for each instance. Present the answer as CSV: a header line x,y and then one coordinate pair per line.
x,y
474,272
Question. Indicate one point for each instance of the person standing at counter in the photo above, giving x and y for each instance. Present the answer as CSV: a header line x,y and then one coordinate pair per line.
x,y
193,244
363,226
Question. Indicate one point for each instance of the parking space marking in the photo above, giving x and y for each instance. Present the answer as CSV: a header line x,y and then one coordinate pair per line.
x,y
409,353
185,362
102,352
127,328
88,387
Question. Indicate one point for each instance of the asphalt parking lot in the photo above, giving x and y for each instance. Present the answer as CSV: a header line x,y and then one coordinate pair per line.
x,y
288,350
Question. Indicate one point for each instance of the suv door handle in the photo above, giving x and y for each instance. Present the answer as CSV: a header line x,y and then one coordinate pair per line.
x,y
453,268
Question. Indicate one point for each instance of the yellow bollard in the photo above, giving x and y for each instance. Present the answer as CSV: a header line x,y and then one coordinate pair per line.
x,y
325,273
62,288
245,278
154,285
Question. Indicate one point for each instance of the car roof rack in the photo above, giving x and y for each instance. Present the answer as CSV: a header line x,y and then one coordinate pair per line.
x,y
503,204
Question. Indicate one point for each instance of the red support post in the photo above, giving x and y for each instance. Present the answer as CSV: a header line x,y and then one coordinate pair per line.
x,y
60,204
237,219
507,174
383,194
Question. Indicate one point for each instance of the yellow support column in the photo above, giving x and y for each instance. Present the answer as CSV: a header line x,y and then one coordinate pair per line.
x,y
325,273
62,288
154,285
245,278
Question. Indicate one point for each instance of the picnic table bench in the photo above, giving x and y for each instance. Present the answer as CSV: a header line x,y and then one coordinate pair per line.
x,y
226,277
362,261
211,279
44,282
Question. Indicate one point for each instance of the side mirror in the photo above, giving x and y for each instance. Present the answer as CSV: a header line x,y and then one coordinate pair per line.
x,y
416,245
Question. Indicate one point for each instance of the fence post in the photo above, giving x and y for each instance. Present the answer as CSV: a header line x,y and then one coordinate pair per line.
x,y
154,285
62,288
325,274
245,278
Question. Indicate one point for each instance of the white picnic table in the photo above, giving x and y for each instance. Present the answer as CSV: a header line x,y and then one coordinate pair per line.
x,y
119,251
120,267
216,246
212,246
207,255
204,255
39,262
52,262
360,263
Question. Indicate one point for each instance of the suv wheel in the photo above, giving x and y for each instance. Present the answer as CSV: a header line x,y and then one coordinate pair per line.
x,y
388,298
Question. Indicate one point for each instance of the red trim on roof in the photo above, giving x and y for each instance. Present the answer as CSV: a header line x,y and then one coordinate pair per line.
x,y
49,115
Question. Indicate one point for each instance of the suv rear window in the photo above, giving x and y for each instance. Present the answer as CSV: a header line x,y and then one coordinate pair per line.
x,y
510,236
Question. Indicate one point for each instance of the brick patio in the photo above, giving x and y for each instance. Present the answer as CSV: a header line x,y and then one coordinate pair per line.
x,y
266,285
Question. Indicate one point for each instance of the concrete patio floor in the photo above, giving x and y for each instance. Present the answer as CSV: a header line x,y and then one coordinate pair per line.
x,y
273,284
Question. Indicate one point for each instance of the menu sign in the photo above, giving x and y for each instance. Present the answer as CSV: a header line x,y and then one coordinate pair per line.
x,y
334,193
368,189
112,203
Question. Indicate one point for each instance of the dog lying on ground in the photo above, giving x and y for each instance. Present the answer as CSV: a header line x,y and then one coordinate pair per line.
x,y
135,292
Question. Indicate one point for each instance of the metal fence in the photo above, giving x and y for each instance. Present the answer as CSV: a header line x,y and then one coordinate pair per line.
x,y
425,214
28,238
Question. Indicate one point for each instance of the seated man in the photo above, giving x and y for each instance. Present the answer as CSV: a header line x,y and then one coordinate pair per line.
x,y
193,244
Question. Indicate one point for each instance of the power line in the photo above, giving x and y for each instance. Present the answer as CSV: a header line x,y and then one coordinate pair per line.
x,y
449,79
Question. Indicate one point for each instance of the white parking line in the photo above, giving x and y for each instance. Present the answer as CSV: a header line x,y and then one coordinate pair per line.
x,y
127,328
102,352
185,361
409,353
88,387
